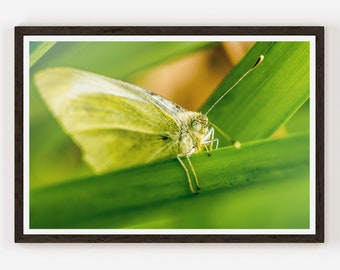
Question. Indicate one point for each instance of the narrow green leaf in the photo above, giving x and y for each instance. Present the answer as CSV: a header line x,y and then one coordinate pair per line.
x,y
38,50
268,96
114,199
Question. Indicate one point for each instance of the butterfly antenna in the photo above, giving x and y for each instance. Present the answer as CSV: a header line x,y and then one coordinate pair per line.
x,y
258,62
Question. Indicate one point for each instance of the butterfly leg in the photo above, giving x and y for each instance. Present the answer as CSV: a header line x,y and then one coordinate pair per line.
x,y
194,191
211,143
210,140
193,171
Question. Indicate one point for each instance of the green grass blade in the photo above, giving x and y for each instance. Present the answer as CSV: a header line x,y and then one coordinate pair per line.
x,y
38,50
126,198
268,96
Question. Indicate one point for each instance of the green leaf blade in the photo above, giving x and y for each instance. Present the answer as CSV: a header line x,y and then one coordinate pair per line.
x,y
116,198
267,97
38,50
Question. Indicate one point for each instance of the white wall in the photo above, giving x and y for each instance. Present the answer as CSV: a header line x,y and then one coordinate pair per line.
x,y
166,256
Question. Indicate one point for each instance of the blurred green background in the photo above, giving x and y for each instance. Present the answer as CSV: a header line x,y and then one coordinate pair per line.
x,y
263,185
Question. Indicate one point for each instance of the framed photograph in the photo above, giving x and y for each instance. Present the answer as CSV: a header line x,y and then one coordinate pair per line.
x,y
169,134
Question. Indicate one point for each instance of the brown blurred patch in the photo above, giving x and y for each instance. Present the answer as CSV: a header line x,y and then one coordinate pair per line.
x,y
236,50
189,81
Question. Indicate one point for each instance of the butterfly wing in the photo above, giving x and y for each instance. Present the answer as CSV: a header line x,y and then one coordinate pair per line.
x,y
116,124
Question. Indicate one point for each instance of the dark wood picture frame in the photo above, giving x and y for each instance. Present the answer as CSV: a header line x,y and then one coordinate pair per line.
x,y
22,31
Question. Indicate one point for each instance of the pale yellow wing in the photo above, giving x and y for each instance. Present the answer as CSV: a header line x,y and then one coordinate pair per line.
x,y
116,125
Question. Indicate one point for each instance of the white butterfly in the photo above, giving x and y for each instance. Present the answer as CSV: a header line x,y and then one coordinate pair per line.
x,y
119,125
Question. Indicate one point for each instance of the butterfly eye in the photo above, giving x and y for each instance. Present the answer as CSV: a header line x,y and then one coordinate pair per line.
x,y
196,125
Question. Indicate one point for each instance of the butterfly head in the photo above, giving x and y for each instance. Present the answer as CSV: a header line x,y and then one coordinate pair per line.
x,y
193,132
198,123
